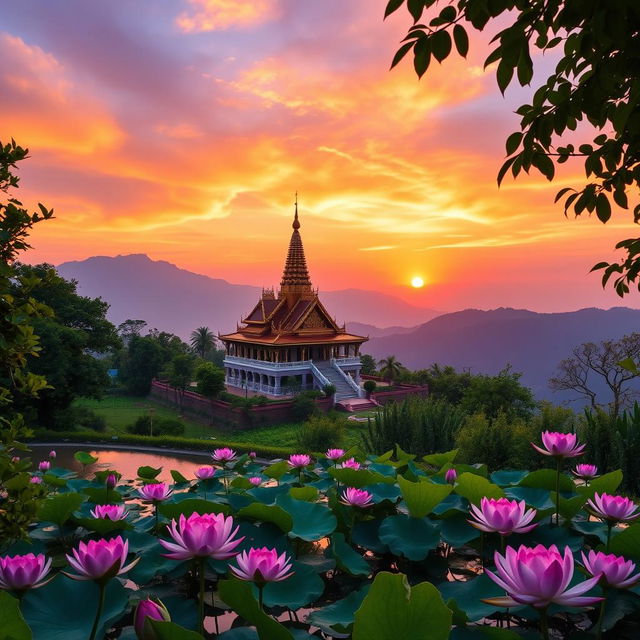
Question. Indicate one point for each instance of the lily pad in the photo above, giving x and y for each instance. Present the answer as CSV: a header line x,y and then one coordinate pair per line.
x,y
311,521
346,557
411,537
474,487
268,513
12,624
302,588
338,616
422,497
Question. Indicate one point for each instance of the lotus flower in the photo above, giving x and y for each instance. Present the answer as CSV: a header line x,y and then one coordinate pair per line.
x,y
539,577
155,492
585,471
356,498
44,466
451,476
24,572
262,566
205,473
256,481
149,609
225,454
52,454
109,512
502,516
299,460
202,536
559,445
112,480
35,480
253,455
334,454
613,508
15,459
614,571
351,463
100,560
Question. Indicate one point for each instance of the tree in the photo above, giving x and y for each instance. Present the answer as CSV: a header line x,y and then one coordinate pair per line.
x,y
130,328
181,373
19,498
596,81
390,368
368,365
140,363
202,341
210,381
444,382
592,364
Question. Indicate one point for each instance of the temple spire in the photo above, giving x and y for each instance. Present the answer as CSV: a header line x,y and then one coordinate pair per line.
x,y
295,277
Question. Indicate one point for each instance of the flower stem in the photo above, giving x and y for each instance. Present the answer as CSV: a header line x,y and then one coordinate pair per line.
x,y
201,598
544,625
260,594
558,468
609,527
601,615
503,540
99,612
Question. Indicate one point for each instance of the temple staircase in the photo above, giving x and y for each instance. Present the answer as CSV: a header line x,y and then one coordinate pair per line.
x,y
343,388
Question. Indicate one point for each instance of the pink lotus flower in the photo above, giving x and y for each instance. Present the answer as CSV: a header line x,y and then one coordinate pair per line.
x,y
253,455
299,460
502,516
351,463
205,473
155,492
539,577
35,480
559,445
112,480
334,454
451,476
109,512
15,459
202,536
149,609
44,466
613,508
24,572
262,566
256,481
225,454
100,560
356,498
52,454
585,471
614,571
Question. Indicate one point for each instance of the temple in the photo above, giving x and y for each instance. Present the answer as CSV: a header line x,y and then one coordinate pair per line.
x,y
289,342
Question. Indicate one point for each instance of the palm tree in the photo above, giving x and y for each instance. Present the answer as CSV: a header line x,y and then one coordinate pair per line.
x,y
202,341
390,368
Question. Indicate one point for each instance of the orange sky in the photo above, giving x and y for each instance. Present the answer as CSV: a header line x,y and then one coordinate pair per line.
x,y
182,130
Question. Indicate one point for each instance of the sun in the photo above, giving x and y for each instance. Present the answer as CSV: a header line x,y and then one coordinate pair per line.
x,y
417,282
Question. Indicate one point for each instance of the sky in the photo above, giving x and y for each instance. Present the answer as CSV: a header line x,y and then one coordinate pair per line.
x,y
183,128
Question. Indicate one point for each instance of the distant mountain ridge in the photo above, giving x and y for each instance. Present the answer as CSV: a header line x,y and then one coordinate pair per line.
x,y
486,341
176,300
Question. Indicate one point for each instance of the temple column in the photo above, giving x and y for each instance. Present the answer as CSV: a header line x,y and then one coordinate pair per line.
x,y
277,390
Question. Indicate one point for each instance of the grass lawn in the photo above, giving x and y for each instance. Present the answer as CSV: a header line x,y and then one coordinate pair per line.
x,y
120,411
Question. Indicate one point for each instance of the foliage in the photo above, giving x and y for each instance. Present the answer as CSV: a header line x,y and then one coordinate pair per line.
x,y
368,365
320,433
418,425
329,389
603,362
500,442
149,426
79,418
444,382
304,406
202,341
369,386
210,380
596,81
18,342
390,368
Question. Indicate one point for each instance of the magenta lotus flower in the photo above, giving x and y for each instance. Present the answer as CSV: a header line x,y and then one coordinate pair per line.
x,y
299,460
52,454
613,508
205,473
559,445
356,498
44,466
202,536
334,454
539,577
112,481
256,481
100,560
149,609
155,492
502,516
451,476
614,571
35,480
253,455
351,463
109,512
585,471
19,573
224,454
262,566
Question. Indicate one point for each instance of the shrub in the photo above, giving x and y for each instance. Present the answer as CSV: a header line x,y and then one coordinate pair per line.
x,y
329,389
320,433
160,426
79,418
304,406
370,386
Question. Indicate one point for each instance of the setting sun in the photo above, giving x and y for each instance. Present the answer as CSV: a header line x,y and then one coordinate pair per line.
x,y
417,282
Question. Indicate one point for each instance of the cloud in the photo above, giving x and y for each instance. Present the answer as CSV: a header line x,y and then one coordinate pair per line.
x,y
216,15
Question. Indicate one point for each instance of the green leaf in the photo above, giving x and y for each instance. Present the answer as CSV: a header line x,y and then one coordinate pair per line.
x,y
438,460
172,631
268,513
627,542
474,488
546,479
468,594
504,74
603,207
84,458
440,45
303,587
513,142
103,526
392,610
401,53
310,494
12,624
339,615
411,537
276,470
358,478
58,509
607,483
178,478
346,557
148,473
311,521
392,5
461,40
506,478
422,497
239,596
192,505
